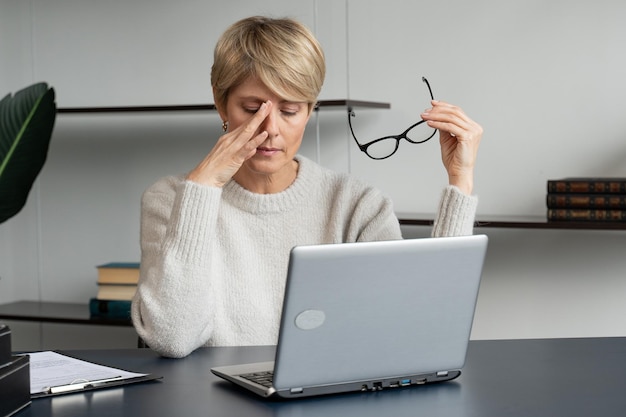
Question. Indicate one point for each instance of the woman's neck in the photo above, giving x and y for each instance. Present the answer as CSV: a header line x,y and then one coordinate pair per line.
x,y
261,183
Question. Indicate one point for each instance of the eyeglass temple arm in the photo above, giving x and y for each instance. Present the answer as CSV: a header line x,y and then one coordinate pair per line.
x,y
351,114
429,89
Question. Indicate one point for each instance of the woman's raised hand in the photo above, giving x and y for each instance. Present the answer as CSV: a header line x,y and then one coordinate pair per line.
x,y
459,137
231,151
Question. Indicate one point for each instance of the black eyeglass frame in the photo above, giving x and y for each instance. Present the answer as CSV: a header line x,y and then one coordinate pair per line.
x,y
403,135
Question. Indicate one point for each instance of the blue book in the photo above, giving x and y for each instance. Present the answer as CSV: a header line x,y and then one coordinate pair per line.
x,y
113,309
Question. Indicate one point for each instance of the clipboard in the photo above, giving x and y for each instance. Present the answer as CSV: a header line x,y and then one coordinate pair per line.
x,y
53,373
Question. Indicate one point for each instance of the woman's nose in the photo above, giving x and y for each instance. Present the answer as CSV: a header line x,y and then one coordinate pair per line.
x,y
271,123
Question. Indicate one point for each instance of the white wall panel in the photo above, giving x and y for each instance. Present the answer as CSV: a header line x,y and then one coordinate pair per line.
x,y
544,79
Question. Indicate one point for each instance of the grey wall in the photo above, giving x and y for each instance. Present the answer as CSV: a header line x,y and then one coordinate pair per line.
x,y
545,79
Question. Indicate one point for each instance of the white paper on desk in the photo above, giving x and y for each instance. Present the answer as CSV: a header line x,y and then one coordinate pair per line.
x,y
51,369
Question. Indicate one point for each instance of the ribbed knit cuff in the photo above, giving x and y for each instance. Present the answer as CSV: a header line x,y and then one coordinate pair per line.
x,y
456,213
193,221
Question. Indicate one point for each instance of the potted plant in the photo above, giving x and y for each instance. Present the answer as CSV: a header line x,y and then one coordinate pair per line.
x,y
26,123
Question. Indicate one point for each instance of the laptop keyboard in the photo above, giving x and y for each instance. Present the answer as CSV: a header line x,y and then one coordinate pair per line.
x,y
262,378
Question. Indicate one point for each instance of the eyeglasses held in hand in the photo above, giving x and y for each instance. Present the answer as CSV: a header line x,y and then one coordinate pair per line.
x,y
383,148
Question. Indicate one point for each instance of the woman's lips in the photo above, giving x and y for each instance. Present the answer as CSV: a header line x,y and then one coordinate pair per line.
x,y
261,150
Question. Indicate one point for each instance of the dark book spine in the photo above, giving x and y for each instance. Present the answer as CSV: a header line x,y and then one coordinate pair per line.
x,y
110,308
589,201
595,186
594,215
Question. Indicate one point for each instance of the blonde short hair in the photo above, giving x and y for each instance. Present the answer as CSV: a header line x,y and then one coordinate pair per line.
x,y
281,53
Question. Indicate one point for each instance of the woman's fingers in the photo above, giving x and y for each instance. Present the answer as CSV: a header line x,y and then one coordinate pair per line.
x,y
232,150
459,139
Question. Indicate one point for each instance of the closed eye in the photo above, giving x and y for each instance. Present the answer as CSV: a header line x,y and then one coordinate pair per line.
x,y
288,113
291,109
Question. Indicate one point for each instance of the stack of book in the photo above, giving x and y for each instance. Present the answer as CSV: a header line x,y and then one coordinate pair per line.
x,y
592,199
117,283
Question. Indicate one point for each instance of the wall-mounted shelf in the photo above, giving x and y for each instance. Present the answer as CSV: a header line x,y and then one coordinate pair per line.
x,y
347,103
513,222
51,312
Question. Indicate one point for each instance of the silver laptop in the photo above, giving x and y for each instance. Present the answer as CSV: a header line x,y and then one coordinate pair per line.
x,y
371,316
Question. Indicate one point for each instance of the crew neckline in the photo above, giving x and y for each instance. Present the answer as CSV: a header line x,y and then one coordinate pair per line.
x,y
246,200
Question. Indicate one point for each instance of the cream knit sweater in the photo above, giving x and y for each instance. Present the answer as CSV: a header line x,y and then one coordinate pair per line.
x,y
214,261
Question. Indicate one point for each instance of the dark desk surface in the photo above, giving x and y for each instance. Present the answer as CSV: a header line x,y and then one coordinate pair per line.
x,y
53,312
549,377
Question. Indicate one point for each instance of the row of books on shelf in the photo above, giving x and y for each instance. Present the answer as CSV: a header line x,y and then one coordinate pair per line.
x,y
117,283
596,199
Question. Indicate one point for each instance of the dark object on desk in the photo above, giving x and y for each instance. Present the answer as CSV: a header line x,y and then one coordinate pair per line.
x,y
14,386
112,309
14,377
600,185
5,344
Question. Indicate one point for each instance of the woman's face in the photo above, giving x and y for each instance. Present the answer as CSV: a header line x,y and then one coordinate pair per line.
x,y
285,126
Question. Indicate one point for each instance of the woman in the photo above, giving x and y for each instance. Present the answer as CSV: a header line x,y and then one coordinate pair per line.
x,y
215,243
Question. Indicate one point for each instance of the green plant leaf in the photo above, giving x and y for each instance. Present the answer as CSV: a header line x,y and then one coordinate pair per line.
x,y
26,123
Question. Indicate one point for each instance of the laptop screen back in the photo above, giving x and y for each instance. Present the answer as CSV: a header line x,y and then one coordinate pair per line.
x,y
378,309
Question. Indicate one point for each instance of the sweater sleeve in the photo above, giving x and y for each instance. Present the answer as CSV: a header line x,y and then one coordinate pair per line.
x,y
171,308
375,218
456,213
